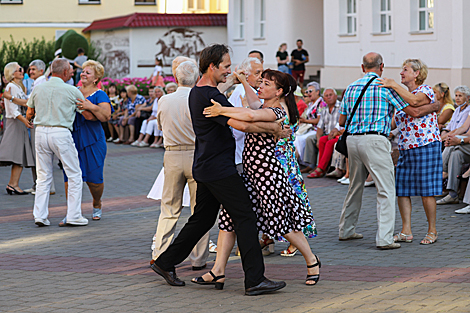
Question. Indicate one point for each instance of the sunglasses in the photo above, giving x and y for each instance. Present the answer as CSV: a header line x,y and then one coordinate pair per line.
x,y
20,69
308,91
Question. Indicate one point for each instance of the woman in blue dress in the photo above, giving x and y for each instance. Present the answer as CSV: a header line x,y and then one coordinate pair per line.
x,y
89,136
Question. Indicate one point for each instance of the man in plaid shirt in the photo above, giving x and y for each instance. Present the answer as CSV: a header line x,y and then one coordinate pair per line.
x,y
369,149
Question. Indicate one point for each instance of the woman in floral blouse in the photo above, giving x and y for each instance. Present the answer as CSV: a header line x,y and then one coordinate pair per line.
x,y
420,163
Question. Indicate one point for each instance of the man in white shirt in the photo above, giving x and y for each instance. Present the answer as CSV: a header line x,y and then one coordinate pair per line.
x,y
253,68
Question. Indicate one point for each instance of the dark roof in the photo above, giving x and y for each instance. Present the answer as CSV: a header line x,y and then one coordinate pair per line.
x,y
158,20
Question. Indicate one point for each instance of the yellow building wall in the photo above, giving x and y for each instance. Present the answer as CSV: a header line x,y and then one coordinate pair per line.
x,y
69,11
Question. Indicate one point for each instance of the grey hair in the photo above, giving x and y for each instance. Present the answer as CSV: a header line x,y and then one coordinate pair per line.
x,y
40,65
330,88
159,87
314,85
170,85
187,73
60,65
463,89
245,66
372,60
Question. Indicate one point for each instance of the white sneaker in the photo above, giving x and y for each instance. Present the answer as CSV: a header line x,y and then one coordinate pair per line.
x,y
142,144
345,182
116,140
152,247
341,179
448,200
80,222
40,222
464,210
135,143
369,183
109,139
30,190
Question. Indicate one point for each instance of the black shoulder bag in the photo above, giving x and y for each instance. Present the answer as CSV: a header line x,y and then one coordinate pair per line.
x,y
341,145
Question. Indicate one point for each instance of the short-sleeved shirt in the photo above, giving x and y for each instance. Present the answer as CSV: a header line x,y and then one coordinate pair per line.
x,y
157,70
417,131
375,112
447,106
458,118
214,156
80,59
329,119
299,55
130,106
55,103
282,56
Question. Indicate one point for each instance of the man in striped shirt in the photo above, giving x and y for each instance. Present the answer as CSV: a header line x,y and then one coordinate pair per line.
x,y
369,149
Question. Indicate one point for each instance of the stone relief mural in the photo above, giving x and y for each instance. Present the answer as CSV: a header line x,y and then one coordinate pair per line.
x,y
115,51
179,41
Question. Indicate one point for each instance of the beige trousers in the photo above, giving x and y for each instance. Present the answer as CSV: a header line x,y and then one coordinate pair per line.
x,y
370,154
178,171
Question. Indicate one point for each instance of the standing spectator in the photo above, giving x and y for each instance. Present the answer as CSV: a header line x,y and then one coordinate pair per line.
x,y
88,135
282,58
446,105
156,77
327,133
78,63
299,58
419,142
16,148
54,121
369,150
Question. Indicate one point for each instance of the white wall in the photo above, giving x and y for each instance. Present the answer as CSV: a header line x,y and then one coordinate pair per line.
x,y
286,21
441,49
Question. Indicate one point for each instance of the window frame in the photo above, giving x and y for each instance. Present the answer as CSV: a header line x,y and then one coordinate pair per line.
x,y
86,2
348,18
416,13
260,19
196,9
141,2
239,20
11,1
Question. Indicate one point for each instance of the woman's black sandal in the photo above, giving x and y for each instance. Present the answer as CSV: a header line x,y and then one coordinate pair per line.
x,y
214,281
315,277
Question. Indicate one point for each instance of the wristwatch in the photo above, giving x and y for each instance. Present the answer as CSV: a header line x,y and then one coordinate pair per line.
x,y
12,98
461,141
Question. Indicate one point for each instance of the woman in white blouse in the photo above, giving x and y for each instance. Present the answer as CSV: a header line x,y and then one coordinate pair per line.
x,y
16,148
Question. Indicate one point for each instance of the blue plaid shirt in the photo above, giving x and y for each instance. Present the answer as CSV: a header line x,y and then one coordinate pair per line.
x,y
375,111
131,105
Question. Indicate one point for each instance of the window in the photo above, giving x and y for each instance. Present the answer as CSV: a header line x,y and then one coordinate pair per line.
x,y
239,18
89,1
382,19
348,17
260,20
11,1
148,2
422,15
195,5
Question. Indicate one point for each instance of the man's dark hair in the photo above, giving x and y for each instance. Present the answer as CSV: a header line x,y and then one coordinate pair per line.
x,y
80,50
257,51
299,40
212,55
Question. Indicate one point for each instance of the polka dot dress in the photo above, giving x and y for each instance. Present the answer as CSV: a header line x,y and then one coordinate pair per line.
x,y
278,209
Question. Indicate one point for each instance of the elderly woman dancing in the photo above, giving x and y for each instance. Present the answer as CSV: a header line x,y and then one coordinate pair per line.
x,y
280,212
16,148
419,166
89,136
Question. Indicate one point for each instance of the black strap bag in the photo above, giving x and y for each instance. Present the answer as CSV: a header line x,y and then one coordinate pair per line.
x,y
341,145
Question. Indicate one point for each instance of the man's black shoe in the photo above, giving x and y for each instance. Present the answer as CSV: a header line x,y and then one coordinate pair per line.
x,y
264,287
199,268
170,277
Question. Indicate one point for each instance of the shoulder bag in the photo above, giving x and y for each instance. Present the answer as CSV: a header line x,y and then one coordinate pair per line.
x,y
341,145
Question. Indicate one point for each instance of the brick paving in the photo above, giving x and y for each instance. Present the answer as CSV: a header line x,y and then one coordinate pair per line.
x,y
103,267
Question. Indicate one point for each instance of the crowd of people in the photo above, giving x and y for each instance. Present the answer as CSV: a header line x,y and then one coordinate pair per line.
x,y
242,141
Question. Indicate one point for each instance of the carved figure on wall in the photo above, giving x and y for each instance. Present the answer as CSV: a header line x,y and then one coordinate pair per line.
x,y
179,41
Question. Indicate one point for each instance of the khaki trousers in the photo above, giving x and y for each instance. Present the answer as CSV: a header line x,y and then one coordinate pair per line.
x,y
370,154
178,172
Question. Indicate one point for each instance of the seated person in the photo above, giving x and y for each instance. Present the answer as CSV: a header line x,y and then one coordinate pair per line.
x,y
301,105
149,125
129,116
171,88
446,105
327,135
118,112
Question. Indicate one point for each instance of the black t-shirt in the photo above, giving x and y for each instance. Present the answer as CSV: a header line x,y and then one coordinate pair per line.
x,y
299,55
214,156
282,56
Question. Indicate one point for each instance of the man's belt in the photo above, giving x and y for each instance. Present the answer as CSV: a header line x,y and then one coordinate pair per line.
x,y
180,148
370,133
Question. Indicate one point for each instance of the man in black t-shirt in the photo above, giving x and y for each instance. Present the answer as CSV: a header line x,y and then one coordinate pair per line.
x,y
299,58
218,181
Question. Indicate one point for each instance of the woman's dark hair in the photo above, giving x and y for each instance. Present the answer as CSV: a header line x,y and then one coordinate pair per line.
x,y
122,90
109,87
288,85
212,55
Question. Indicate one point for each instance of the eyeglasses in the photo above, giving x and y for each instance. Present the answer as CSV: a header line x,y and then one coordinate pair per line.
x,y
308,91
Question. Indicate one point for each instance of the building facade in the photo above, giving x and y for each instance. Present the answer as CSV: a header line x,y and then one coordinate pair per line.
x,y
30,19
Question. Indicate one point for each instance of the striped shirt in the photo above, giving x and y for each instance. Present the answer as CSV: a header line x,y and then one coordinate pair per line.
x,y
329,120
375,111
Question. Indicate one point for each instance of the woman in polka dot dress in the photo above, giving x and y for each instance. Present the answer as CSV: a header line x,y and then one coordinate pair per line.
x,y
280,212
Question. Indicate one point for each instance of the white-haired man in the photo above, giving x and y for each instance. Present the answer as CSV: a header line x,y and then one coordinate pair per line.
x,y
174,119
253,68
54,104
